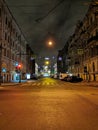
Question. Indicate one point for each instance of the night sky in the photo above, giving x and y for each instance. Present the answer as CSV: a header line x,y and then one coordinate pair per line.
x,y
44,20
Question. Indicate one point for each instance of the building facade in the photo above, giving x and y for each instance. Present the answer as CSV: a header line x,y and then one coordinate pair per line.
x,y
82,56
62,59
30,58
83,48
12,45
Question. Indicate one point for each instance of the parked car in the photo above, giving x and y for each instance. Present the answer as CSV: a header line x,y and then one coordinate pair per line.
x,y
74,79
63,75
65,78
34,77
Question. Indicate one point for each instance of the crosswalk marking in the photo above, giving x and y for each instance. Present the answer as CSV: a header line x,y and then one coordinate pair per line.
x,y
48,84
38,84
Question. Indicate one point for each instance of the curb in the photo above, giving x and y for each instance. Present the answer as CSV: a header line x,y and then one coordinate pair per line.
x,y
95,84
9,84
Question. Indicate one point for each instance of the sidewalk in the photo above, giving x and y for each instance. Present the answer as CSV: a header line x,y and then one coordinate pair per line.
x,y
8,84
90,83
12,83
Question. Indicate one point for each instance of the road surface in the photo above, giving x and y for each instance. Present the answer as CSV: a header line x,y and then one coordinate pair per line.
x,y
49,104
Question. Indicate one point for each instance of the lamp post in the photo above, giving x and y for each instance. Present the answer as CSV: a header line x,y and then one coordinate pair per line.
x,y
0,64
19,68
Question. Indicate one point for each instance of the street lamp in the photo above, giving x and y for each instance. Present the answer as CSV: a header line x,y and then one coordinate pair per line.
x,y
47,62
50,43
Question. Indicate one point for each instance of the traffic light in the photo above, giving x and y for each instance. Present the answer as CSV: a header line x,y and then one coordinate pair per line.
x,y
19,66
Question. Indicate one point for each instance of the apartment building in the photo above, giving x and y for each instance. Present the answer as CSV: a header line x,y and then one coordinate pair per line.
x,y
62,64
82,55
12,45
30,58
83,48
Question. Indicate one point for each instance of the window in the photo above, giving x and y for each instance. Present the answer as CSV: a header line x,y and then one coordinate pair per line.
x,y
93,67
97,65
91,52
16,34
13,44
12,56
4,51
0,12
91,20
16,46
97,32
6,21
7,53
97,49
5,36
9,24
8,39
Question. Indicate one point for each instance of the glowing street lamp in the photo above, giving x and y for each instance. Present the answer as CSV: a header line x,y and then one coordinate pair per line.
x,y
50,43
47,62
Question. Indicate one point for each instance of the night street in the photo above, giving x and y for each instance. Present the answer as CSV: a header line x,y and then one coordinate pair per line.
x,y
49,104
48,65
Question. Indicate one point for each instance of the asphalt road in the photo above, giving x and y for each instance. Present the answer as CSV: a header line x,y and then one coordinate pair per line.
x,y
49,104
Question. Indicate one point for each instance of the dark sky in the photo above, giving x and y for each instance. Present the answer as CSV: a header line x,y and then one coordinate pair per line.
x,y
41,20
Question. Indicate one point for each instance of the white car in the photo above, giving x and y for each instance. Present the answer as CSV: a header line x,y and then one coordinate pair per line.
x,y
63,75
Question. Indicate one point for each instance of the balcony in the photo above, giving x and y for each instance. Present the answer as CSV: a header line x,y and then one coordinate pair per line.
x,y
94,38
93,26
